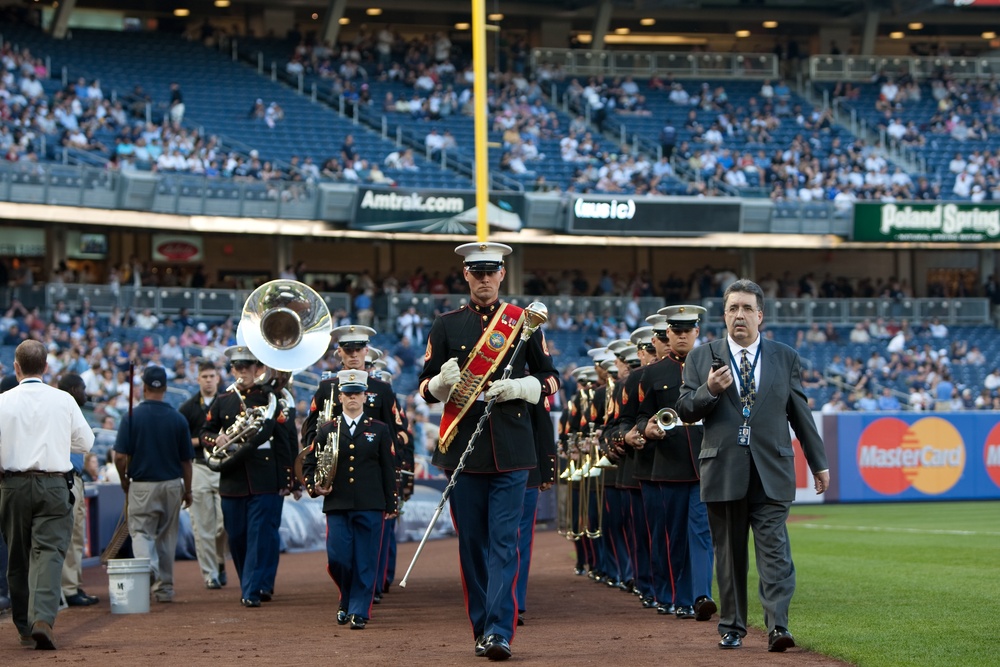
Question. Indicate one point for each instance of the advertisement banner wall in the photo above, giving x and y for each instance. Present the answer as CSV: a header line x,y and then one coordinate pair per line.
x,y
442,211
918,456
934,223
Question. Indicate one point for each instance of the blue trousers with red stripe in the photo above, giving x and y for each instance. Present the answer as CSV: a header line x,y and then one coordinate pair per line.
x,y
525,539
639,541
617,542
486,510
352,549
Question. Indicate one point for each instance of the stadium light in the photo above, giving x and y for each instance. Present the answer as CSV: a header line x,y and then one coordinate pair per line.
x,y
916,25
622,31
896,35
647,22
495,17
343,20
222,4
462,26
989,35
181,12
770,24
742,33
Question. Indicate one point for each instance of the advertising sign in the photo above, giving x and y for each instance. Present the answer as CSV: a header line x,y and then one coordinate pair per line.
x,y
934,223
947,456
639,216
442,211
22,242
177,249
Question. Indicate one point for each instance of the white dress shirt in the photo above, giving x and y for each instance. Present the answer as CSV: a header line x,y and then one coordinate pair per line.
x,y
39,427
737,351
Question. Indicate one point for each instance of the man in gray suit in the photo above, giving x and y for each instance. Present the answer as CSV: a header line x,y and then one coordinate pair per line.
x,y
748,392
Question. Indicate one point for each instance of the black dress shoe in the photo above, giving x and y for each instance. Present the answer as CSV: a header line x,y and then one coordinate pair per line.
x,y
88,595
649,603
342,617
684,612
480,646
626,586
250,603
579,571
520,620
265,596
377,599
79,600
704,607
780,640
497,647
731,640
358,622
665,609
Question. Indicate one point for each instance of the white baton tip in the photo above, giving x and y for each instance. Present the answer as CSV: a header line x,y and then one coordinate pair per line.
x,y
402,584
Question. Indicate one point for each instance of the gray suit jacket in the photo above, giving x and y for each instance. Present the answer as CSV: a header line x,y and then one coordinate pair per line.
x,y
780,401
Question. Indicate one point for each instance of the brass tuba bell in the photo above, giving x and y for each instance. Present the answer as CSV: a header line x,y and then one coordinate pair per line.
x,y
286,325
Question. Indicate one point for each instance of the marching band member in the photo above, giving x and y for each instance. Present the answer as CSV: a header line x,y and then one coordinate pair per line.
x,y
251,476
360,497
467,350
674,480
354,351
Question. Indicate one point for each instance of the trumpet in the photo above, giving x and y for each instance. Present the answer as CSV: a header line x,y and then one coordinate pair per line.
x,y
666,419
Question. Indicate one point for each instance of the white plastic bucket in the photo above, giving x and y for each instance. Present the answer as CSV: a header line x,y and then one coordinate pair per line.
x,y
128,585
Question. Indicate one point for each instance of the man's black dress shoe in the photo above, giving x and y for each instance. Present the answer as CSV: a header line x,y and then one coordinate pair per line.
x,y
579,571
497,647
666,609
684,612
342,617
649,603
520,621
481,646
358,622
265,596
87,595
250,603
731,640
704,607
779,640
80,600
377,599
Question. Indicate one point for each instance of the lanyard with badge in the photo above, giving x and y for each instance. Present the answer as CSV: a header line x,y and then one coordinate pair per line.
x,y
743,432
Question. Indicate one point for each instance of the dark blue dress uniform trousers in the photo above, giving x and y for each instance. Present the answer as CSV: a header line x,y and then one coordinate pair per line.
x,y
248,521
700,543
525,538
386,557
274,548
486,509
640,545
615,507
352,549
656,515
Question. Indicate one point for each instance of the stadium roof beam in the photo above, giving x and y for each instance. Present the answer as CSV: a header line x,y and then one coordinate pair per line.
x,y
331,21
60,24
601,24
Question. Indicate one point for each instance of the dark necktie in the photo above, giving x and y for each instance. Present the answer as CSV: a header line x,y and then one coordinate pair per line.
x,y
746,375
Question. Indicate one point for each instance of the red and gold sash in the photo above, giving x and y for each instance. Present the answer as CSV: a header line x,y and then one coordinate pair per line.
x,y
479,367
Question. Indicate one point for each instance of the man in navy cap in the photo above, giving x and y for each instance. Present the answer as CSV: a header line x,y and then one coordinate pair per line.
x,y
467,350
153,455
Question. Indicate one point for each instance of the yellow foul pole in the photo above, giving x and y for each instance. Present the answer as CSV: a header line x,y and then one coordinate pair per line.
x,y
481,116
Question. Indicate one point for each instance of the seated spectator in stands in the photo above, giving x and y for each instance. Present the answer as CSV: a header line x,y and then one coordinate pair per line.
x,y
983,400
815,334
812,379
992,381
887,401
273,114
835,404
146,319
878,330
434,144
859,334
377,176
867,402
937,329
919,400
943,388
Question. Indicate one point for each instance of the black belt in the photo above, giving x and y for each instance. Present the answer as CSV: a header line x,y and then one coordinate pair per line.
x,y
36,473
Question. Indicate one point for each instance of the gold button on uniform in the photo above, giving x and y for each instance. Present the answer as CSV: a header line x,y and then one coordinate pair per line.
x,y
351,480
352,447
351,469
352,457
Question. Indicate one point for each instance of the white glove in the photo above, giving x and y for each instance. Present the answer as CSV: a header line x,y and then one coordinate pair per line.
x,y
441,384
527,388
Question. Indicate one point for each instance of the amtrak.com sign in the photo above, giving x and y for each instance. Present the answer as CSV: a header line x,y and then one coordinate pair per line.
x,y
652,216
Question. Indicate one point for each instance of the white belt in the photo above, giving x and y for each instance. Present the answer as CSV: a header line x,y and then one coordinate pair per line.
x,y
266,445
697,423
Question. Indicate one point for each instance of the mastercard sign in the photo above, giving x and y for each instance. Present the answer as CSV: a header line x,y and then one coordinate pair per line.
x,y
991,455
927,456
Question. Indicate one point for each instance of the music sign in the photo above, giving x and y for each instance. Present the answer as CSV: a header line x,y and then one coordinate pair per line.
x,y
933,223
651,216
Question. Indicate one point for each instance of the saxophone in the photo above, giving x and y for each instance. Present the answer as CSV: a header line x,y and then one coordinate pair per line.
x,y
243,429
327,454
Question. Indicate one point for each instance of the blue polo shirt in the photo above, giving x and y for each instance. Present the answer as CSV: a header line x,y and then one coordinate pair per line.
x,y
157,438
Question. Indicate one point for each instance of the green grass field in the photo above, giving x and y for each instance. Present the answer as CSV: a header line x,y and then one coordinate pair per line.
x,y
896,584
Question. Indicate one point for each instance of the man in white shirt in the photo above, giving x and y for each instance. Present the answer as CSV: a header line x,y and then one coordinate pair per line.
x,y
39,427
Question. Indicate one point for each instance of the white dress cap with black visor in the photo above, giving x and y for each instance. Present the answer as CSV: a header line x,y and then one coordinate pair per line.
x,y
352,336
682,318
486,256
352,382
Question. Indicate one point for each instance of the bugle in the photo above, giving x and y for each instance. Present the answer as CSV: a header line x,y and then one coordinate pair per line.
x,y
535,315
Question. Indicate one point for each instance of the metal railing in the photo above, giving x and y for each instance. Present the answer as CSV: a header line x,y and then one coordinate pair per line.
x,y
863,68
965,311
586,62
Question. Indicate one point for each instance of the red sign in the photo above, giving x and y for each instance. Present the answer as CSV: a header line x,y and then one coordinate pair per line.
x,y
991,454
177,251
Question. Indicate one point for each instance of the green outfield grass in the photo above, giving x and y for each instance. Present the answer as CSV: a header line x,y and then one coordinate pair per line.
x,y
896,584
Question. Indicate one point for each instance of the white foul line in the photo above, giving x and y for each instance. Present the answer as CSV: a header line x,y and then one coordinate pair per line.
x,y
888,529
